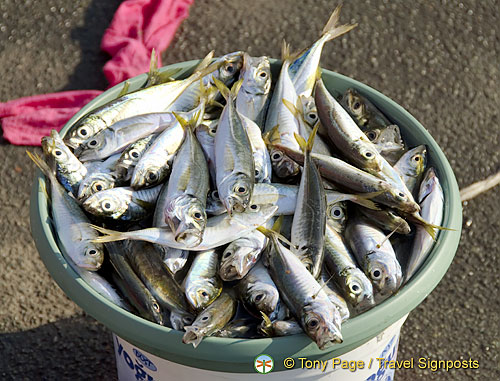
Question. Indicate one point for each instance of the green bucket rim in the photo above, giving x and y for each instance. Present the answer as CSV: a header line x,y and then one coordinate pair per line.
x,y
238,354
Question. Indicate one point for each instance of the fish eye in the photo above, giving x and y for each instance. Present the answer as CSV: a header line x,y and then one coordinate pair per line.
x,y
312,116
82,131
204,318
230,68
313,323
368,154
355,288
215,195
156,307
188,320
197,215
356,105
336,212
107,206
416,158
213,131
227,254
57,152
371,135
204,294
240,189
401,194
376,274
257,172
263,74
254,207
259,297
93,143
97,187
92,252
277,155
134,154
152,176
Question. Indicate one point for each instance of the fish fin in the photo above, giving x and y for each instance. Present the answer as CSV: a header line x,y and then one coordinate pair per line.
x,y
43,188
428,227
124,89
111,235
236,87
285,50
266,326
302,142
204,63
272,136
183,122
292,108
364,199
271,233
168,75
144,204
222,88
40,163
332,30
278,224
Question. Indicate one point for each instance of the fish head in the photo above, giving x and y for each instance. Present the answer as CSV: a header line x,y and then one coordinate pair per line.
x,y
95,183
180,319
235,192
88,150
106,204
230,67
384,272
283,166
418,160
309,110
358,289
200,295
403,201
187,218
355,105
320,321
148,173
159,315
54,146
256,74
84,131
93,257
336,215
369,156
238,259
255,215
429,183
264,297
205,133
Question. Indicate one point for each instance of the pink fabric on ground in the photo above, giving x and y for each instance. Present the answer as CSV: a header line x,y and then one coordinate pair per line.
x,y
138,26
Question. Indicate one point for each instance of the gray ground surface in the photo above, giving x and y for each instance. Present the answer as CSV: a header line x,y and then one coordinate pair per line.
x,y
439,60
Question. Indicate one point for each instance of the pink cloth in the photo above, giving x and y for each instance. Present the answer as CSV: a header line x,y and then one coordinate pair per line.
x,y
138,26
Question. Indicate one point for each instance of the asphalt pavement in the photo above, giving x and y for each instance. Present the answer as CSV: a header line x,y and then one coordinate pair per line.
x,y
439,59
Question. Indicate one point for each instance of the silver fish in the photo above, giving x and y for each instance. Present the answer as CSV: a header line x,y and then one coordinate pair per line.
x,y
431,199
352,282
253,95
411,166
122,134
123,203
205,133
211,320
220,230
309,220
202,283
186,196
375,256
152,99
71,224
258,291
235,169
304,296
101,177
304,68
131,155
69,170
333,294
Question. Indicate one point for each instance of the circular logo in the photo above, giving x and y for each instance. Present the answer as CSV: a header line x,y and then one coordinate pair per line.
x,y
263,364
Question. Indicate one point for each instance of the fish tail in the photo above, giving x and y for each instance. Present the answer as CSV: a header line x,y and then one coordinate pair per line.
x,y
111,235
236,87
332,30
124,89
41,164
285,50
205,62
307,146
267,325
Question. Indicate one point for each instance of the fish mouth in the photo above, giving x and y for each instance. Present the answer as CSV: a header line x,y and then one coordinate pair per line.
x,y
190,238
328,336
192,336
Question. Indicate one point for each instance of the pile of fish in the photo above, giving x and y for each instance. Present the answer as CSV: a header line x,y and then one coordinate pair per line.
x,y
237,206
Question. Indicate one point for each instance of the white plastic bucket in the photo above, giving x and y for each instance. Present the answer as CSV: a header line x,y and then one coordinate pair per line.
x,y
362,363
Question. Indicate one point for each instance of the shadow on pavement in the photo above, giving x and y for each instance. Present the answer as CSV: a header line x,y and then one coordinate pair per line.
x,y
77,348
